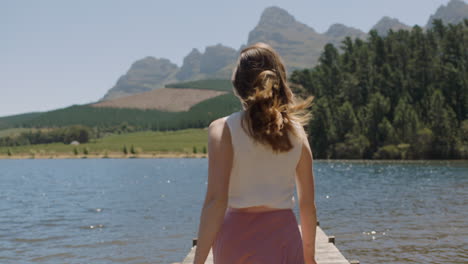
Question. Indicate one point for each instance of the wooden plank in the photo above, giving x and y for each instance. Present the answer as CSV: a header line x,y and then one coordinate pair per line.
x,y
325,251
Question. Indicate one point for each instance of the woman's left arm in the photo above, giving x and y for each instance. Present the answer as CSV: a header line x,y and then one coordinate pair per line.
x,y
220,155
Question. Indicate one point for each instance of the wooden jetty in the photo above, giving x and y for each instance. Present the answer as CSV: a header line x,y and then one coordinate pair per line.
x,y
325,251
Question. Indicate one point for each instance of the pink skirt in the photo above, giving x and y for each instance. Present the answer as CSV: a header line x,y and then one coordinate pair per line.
x,y
270,237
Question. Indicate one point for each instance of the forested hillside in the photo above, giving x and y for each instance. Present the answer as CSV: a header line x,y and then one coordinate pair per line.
x,y
404,95
112,119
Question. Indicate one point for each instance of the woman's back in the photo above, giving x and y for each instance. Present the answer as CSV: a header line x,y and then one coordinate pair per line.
x,y
260,176
255,157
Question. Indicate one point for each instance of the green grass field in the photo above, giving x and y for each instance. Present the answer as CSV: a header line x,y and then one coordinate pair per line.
x,y
13,131
146,142
185,128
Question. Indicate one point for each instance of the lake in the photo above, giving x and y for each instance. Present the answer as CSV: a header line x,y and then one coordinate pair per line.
x,y
147,210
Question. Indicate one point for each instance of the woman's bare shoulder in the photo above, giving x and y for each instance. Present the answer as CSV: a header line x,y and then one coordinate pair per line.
x,y
216,127
220,122
299,129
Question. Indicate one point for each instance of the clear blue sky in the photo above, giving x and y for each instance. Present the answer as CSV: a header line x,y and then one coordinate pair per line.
x,y
57,53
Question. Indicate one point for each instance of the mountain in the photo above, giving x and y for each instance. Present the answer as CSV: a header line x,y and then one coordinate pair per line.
x,y
198,65
150,73
144,75
337,32
454,12
386,23
299,45
190,66
215,58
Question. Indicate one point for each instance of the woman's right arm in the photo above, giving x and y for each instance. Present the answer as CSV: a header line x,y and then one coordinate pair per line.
x,y
307,209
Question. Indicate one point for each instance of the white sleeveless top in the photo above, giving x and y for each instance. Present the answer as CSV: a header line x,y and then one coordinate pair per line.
x,y
260,176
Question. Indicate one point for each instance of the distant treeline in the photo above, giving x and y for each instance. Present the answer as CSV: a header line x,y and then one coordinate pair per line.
x,y
118,120
66,135
403,96
209,84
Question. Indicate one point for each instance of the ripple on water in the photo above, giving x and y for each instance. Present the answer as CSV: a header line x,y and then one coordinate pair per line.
x,y
8,258
56,257
35,240
99,244
380,212
7,249
95,210
92,226
123,259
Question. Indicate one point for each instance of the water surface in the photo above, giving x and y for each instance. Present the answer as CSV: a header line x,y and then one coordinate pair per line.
x,y
147,210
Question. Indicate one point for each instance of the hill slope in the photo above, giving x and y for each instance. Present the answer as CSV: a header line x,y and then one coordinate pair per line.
x,y
165,99
144,75
198,116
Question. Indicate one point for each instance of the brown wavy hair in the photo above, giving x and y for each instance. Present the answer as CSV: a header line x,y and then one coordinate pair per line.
x,y
272,110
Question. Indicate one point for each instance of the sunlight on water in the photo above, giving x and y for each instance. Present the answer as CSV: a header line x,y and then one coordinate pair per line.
x,y
147,211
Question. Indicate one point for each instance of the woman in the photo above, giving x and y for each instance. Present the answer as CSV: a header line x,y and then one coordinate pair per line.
x,y
255,159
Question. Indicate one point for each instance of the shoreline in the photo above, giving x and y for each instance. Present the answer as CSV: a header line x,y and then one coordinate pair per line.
x,y
171,155
104,156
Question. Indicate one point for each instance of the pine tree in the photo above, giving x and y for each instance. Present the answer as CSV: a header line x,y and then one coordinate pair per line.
x,y
401,95
442,125
405,121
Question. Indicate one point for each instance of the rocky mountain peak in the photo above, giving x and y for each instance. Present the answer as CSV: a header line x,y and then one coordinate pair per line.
x,y
299,45
144,75
216,57
339,30
150,61
452,13
194,52
190,66
386,23
454,4
275,16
